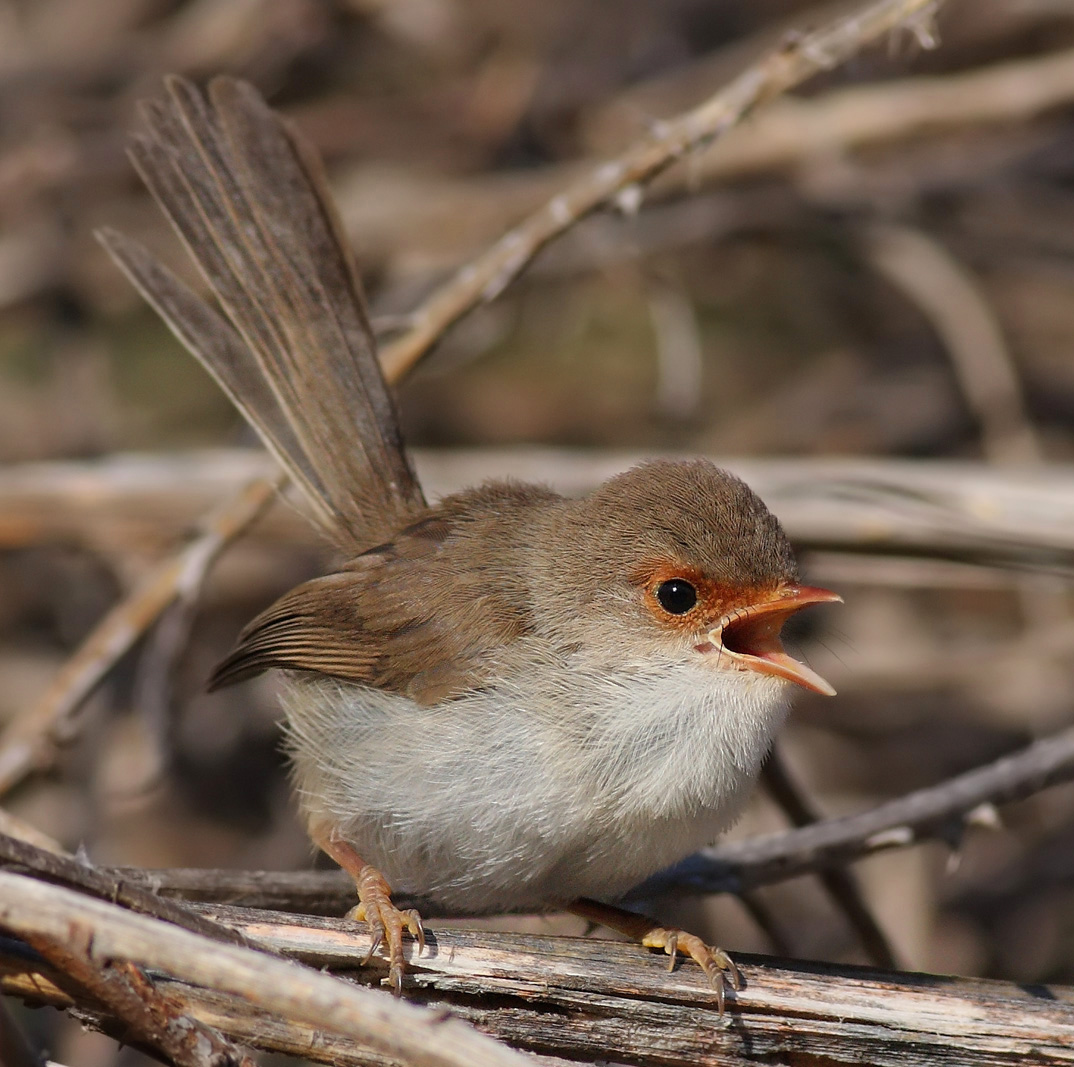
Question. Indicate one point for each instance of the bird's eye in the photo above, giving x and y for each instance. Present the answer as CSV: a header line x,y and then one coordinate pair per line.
x,y
677,596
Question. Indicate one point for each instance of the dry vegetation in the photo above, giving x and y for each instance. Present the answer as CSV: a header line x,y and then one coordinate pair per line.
x,y
874,276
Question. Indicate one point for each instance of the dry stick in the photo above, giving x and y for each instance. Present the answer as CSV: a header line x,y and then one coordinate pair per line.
x,y
951,299
620,180
791,133
841,885
32,740
146,1016
415,1035
728,868
586,1000
75,873
947,512
788,136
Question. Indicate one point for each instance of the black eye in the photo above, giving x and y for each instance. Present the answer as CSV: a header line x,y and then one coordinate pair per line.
x,y
677,596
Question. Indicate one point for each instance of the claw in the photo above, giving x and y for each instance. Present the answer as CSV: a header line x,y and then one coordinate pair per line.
x,y
375,908
386,924
416,928
719,968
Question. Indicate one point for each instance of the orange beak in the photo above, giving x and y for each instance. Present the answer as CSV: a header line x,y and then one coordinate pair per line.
x,y
751,636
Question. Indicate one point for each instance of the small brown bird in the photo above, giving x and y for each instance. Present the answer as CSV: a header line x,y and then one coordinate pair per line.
x,y
506,700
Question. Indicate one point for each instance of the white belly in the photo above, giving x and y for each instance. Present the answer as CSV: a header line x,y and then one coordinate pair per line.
x,y
482,804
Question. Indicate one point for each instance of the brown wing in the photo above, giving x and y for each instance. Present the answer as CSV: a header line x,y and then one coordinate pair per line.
x,y
422,615
249,199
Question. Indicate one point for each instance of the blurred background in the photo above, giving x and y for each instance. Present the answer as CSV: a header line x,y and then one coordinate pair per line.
x,y
881,267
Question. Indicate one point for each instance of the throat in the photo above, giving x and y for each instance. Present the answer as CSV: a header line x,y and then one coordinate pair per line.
x,y
672,743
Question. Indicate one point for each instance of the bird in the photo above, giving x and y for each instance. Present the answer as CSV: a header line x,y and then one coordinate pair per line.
x,y
503,700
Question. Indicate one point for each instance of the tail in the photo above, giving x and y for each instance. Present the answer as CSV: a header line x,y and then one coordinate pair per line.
x,y
295,353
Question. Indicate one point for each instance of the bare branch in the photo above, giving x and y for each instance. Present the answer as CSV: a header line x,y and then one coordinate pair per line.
x,y
29,908
841,885
593,1000
67,871
949,297
927,813
620,180
949,510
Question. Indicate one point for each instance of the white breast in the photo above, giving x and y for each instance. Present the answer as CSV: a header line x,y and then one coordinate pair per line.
x,y
511,799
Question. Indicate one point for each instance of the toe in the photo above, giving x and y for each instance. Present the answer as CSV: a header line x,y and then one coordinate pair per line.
x,y
719,968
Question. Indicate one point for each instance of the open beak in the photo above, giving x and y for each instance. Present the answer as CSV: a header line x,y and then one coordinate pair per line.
x,y
750,636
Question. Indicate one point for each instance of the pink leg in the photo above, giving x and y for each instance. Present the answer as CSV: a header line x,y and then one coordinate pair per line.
x,y
375,907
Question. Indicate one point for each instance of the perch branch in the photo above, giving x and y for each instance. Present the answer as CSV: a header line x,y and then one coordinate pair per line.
x,y
571,999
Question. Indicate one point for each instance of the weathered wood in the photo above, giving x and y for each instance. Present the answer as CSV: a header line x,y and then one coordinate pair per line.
x,y
31,909
590,999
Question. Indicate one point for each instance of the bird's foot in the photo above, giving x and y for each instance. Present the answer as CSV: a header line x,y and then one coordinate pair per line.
x,y
719,968
713,961
375,908
386,922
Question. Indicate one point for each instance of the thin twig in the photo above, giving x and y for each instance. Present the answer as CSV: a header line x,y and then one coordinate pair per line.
x,y
621,179
918,816
80,874
951,300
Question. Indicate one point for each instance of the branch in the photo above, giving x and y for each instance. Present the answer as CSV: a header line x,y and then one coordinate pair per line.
x,y
579,1000
949,297
415,1035
950,510
620,180
73,873
839,883
939,811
